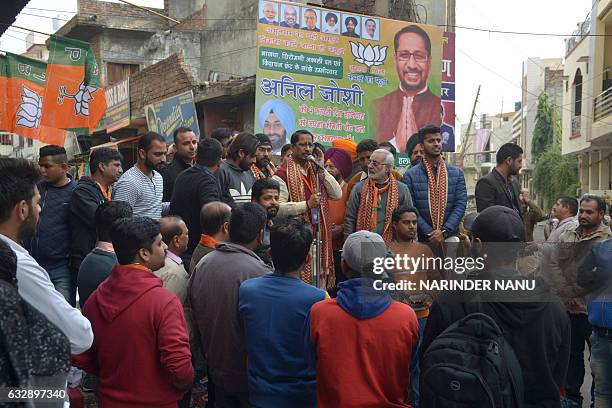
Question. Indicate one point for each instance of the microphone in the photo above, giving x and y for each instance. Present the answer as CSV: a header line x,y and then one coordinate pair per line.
x,y
312,159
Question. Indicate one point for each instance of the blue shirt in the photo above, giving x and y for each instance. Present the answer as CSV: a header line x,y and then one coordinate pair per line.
x,y
274,308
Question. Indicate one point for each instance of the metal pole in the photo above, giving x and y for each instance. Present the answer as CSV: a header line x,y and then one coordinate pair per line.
x,y
316,272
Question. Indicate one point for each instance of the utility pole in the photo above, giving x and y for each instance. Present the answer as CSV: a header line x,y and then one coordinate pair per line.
x,y
466,139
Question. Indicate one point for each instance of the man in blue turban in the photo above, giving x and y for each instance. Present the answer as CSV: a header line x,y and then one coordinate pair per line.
x,y
276,121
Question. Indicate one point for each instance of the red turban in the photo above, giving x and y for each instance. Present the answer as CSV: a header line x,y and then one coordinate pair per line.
x,y
341,159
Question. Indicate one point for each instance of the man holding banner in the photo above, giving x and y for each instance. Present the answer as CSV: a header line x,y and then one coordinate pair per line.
x,y
404,111
298,196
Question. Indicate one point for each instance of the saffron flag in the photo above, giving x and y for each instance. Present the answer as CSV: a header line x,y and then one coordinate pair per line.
x,y
25,89
74,96
4,122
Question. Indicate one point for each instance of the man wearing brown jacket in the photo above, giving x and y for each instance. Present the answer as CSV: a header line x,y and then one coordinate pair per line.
x,y
213,294
532,214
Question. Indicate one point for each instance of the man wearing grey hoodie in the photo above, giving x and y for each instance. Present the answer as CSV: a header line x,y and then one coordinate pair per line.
x,y
234,176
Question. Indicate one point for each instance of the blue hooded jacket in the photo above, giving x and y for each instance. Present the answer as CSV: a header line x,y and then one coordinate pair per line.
x,y
595,275
359,298
416,180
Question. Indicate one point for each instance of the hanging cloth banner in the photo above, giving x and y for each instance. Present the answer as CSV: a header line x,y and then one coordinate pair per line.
x,y
74,96
25,87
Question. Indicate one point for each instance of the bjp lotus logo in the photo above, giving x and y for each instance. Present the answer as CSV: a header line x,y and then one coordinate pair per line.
x,y
82,98
369,56
30,109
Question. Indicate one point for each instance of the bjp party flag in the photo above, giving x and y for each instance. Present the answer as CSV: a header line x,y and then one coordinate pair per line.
x,y
4,122
25,84
74,97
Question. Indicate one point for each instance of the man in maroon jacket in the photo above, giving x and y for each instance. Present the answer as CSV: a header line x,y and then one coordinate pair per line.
x,y
412,106
141,347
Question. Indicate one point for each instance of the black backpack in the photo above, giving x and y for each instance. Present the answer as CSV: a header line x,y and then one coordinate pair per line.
x,y
471,365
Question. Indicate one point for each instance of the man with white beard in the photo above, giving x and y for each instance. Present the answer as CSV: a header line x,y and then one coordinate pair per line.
x,y
380,191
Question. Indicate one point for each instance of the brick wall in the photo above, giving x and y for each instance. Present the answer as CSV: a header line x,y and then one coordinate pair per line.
x,y
357,6
103,13
102,7
166,78
399,10
195,22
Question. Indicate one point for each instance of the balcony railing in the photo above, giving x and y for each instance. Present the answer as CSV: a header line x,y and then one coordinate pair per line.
x,y
602,106
576,124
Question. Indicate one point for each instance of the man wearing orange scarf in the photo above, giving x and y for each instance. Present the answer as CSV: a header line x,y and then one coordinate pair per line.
x,y
298,196
214,220
372,201
438,190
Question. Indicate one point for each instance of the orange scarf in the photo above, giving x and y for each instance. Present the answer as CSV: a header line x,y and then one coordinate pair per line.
x,y
369,202
208,241
257,173
295,184
107,194
437,192
137,266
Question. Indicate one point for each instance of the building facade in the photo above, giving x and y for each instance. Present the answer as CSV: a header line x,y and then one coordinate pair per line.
x,y
587,95
485,138
538,75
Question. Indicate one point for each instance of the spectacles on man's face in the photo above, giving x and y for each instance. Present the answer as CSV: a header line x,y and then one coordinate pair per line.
x,y
419,57
374,163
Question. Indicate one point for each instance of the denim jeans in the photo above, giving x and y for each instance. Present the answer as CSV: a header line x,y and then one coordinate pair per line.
x,y
61,277
415,369
601,366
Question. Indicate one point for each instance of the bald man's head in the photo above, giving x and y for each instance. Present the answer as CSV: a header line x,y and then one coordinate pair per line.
x,y
214,217
174,234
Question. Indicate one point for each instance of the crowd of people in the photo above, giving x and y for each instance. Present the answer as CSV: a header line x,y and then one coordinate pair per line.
x,y
222,268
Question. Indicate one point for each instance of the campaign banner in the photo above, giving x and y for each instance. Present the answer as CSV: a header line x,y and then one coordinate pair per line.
x,y
447,128
117,106
168,114
344,75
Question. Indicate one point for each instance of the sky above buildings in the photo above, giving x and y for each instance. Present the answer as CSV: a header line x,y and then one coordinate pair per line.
x,y
491,60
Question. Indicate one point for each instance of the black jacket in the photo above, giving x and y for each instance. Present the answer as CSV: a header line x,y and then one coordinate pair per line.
x,y
86,199
30,345
538,330
51,243
193,188
170,173
491,190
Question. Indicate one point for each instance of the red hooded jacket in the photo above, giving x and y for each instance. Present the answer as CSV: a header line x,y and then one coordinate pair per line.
x,y
141,347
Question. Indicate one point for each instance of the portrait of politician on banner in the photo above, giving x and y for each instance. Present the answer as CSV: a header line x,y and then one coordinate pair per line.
x,y
413,105
345,75
276,121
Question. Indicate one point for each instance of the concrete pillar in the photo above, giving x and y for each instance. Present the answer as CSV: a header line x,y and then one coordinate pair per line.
x,y
604,171
594,170
583,164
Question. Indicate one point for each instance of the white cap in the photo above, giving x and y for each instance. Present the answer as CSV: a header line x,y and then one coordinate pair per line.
x,y
361,248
